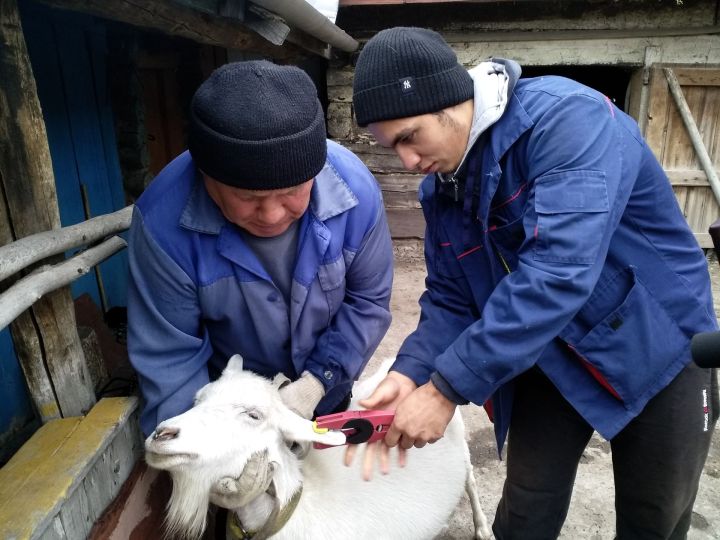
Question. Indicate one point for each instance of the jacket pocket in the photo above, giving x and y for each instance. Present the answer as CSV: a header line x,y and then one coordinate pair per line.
x,y
632,346
332,281
572,210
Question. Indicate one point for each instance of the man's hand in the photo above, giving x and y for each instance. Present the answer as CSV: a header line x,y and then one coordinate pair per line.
x,y
420,418
303,395
230,492
388,394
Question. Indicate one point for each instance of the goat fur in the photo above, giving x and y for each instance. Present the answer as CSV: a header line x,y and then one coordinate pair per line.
x,y
241,413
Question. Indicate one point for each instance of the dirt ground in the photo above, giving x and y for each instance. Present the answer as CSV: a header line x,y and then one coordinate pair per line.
x,y
591,515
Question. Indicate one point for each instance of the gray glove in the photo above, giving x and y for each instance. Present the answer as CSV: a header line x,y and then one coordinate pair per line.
x,y
229,492
303,395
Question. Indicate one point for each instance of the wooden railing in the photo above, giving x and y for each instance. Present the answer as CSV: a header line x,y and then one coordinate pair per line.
x,y
55,371
31,249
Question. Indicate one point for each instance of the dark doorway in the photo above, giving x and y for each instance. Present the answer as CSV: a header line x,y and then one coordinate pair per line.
x,y
610,80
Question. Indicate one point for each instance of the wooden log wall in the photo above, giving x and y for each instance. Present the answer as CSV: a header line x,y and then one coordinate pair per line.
x,y
629,37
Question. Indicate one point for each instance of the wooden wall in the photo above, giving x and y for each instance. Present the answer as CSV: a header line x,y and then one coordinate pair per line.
x,y
628,37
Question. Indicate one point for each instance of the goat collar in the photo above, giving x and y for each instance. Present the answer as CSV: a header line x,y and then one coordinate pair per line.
x,y
276,521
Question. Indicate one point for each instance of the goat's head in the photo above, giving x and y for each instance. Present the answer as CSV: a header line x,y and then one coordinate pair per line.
x,y
234,417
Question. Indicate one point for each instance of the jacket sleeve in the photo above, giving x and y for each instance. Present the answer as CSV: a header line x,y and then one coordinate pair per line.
x,y
344,348
166,343
575,154
446,306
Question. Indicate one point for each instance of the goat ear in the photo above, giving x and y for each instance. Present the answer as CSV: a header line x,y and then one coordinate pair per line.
x,y
234,365
296,428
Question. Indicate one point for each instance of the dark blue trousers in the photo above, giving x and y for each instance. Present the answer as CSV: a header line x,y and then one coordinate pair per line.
x,y
657,459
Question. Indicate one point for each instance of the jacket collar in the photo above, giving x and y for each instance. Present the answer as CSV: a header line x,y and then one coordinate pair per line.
x,y
330,196
493,83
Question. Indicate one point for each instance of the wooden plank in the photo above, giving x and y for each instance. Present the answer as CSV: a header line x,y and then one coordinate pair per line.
x,y
579,35
76,516
30,356
681,194
63,352
658,111
688,178
400,182
615,52
406,223
56,461
634,106
347,3
397,199
377,158
177,20
55,531
692,76
17,483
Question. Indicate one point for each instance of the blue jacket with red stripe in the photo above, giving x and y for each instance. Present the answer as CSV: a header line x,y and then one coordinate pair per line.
x,y
572,255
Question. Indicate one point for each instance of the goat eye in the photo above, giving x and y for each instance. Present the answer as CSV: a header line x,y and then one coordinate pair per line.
x,y
255,415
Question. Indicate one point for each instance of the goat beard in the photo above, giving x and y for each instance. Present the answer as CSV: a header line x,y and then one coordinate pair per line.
x,y
188,506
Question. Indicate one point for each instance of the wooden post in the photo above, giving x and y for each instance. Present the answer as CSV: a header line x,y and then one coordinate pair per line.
x,y
45,338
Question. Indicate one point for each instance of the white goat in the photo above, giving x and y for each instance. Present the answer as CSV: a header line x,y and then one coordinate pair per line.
x,y
241,414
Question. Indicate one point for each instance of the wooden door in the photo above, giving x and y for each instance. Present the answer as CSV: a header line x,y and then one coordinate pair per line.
x,y
67,52
668,136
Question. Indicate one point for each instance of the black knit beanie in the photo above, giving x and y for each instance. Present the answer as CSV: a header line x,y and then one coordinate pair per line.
x,y
256,125
407,71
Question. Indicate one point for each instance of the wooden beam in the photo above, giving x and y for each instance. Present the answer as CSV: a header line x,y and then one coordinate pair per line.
x,y
697,76
177,20
687,178
46,339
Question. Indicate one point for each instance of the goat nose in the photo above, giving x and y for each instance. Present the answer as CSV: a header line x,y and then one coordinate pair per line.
x,y
166,433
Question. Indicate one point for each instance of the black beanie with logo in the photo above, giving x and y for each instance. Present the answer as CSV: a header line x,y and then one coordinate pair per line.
x,y
406,71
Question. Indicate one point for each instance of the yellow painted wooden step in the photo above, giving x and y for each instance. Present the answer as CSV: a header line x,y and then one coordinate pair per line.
x,y
46,471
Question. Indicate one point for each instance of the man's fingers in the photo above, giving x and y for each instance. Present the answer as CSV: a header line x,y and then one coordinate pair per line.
x,y
384,458
402,457
368,461
406,442
350,452
385,393
393,436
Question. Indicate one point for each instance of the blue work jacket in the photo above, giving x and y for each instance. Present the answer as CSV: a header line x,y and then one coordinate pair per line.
x,y
199,295
566,250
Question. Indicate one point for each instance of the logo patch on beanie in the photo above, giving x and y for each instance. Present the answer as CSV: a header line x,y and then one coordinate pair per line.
x,y
407,85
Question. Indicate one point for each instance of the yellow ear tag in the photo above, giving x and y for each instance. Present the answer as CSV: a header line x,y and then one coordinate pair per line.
x,y
319,430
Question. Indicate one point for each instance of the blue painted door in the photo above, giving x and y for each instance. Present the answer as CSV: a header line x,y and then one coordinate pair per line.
x,y
67,52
